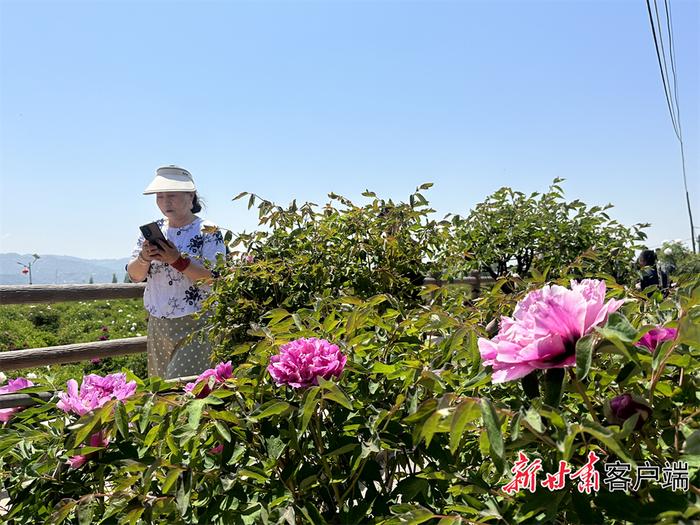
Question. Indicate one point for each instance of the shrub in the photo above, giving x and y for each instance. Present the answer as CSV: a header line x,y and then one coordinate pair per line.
x,y
412,431
511,232
307,253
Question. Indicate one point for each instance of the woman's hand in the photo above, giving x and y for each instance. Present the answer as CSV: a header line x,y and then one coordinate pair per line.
x,y
149,252
168,253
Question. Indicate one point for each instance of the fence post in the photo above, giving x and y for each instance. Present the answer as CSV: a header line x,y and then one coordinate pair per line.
x,y
476,287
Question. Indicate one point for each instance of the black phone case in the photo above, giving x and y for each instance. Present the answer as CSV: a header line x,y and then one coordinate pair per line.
x,y
152,233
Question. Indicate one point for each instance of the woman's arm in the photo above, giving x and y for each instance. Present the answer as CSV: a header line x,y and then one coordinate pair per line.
x,y
194,269
138,269
139,266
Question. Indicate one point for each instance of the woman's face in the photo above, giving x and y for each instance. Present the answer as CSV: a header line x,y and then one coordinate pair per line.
x,y
175,204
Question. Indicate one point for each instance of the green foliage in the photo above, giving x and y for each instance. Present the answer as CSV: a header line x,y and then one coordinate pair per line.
x,y
678,260
306,253
37,326
413,431
511,232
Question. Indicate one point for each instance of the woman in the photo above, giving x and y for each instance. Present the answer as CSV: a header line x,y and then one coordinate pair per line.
x,y
173,272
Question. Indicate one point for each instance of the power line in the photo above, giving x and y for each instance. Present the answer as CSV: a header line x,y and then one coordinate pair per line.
x,y
671,94
667,91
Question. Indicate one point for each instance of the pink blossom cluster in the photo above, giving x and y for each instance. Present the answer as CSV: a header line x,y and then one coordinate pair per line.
x,y
98,439
653,337
300,363
95,391
12,386
219,374
544,329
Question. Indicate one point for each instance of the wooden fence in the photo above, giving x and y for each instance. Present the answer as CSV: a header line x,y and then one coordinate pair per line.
x,y
52,355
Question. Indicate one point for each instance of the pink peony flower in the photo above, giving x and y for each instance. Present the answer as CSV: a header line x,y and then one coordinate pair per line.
x,y
220,374
95,392
300,363
544,329
99,439
13,386
653,337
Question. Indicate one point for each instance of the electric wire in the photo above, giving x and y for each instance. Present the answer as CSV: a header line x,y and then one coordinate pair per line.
x,y
667,91
671,92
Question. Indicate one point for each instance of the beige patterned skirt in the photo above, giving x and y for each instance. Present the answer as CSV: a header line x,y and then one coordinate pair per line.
x,y
177,347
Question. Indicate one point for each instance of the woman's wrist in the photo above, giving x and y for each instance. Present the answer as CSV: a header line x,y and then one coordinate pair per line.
x,y
142,260
181,263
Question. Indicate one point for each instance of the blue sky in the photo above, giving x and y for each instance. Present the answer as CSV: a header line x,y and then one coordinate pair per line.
x,y
293,100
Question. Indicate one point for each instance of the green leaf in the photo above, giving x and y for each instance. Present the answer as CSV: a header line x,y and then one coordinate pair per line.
x,y
493,430
151,436
584,355
241,194
626,371
410,514
465,412
132,517
86,428
333,392
531,385
309,407
86,511
553,385
534,420
382,368
312,514
122,420
62,512
194,413
342,450
426,408
689,328
170,479
692,444
410,487
607,437
618,327
223,430
272,408
451,520
429,427
249,473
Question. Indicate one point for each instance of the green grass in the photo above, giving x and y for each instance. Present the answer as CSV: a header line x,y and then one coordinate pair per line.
x,y
34,326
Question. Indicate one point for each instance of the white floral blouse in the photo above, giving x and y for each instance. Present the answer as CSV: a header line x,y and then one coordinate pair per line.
x,y
170,293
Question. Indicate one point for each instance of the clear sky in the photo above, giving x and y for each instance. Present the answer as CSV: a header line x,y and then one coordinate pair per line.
x,y
293,100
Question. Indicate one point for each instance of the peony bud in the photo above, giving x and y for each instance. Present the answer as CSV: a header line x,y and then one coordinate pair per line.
x,y
619,409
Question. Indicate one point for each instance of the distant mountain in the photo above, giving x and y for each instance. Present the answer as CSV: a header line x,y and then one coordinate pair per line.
x,y
60,269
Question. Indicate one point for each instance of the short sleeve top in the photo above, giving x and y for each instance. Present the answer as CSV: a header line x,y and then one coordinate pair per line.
x,y
170,293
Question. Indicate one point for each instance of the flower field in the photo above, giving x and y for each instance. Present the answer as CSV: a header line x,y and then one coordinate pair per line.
x,y
344,390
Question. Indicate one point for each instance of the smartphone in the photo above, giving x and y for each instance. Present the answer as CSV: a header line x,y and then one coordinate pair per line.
x,y
151,232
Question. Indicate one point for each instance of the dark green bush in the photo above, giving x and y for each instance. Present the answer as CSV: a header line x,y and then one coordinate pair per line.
x,y
413,431
309,253
513,233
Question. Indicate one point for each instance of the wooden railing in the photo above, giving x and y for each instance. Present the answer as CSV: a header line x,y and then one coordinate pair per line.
x,y
52,355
